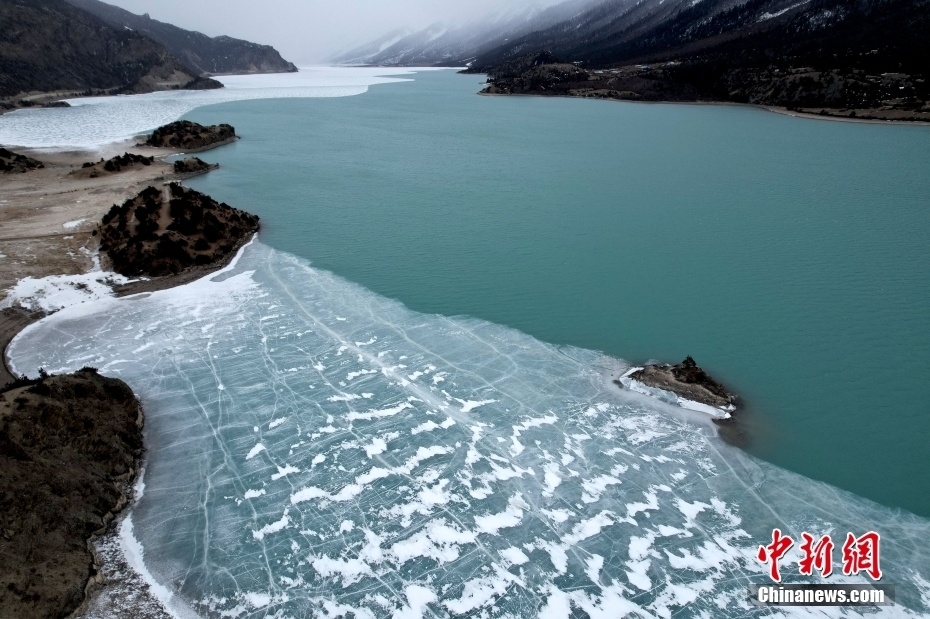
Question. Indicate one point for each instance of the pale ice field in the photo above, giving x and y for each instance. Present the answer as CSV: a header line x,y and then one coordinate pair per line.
x,y
315,449
97,121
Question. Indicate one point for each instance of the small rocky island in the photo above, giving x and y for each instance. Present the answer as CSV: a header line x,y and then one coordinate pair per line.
x,y
190,136
684,384
69,451
168,230
12,163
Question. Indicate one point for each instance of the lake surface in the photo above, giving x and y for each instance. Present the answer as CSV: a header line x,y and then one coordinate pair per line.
x,y
398,401
790,257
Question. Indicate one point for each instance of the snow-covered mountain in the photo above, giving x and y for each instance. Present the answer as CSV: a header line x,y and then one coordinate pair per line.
x,y
447,44
618,31
888,34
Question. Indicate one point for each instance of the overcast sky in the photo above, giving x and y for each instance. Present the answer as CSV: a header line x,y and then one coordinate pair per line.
x,y
308,31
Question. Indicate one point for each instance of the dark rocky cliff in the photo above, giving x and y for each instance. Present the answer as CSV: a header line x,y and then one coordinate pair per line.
x,y
200,53
50,45
68,451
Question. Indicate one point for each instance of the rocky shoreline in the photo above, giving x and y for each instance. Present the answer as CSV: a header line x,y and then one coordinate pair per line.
x,y
192,166
12,163
179,235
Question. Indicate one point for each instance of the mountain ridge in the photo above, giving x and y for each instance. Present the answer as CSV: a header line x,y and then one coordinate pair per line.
x,y
202,54
450,45
50,45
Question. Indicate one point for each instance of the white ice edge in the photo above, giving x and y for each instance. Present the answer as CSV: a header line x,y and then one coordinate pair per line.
x,y
664,395
78,309
135,559
131,547
94,123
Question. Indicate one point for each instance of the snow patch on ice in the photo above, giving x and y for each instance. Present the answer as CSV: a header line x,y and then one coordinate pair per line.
x,y
259,448
274,527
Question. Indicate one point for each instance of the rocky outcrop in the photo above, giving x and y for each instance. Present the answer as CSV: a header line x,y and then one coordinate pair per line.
x,y
11,162
190,166
198,52
203,83
516,67
560,78
35,101
69,447
694,388
52,46
113,165
190,136
166,231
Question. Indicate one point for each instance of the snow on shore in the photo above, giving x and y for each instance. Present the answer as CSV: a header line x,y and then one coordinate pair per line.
x,y
55,292
672,398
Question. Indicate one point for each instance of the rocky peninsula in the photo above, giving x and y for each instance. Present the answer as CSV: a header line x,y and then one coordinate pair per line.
x,y
69,452
845,94
686,384
164,231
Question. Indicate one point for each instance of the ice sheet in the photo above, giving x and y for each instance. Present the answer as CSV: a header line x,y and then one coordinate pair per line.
x,y
96,121
411,500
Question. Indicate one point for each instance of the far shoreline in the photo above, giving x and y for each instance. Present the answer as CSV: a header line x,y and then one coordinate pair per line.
x,y
768,108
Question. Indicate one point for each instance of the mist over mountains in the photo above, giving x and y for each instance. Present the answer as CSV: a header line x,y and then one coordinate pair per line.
x,y
864,58
443,44
890,34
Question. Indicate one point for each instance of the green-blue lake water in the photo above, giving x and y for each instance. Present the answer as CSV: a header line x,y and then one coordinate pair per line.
x,y
790,257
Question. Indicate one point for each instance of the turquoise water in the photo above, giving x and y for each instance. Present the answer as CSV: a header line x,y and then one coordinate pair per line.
x,y
789,257
315,448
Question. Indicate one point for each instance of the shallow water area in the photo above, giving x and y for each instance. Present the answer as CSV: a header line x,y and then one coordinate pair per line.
x,y
317,449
